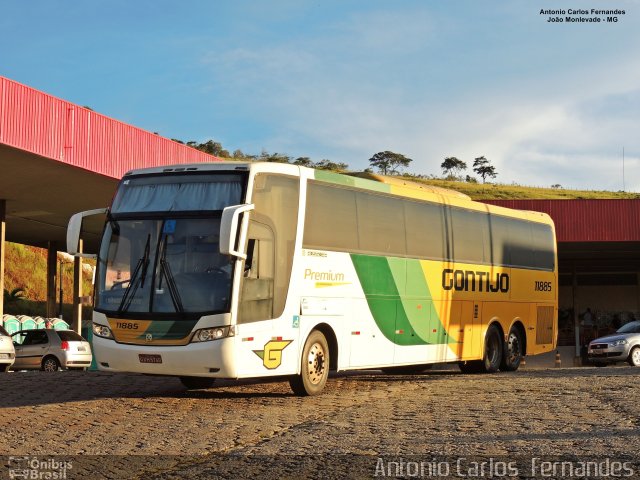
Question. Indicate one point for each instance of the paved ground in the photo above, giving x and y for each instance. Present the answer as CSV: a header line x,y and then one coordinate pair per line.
x,y
132,426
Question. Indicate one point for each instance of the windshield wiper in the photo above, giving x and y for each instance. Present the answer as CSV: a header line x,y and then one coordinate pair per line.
x,y
165,270
134,282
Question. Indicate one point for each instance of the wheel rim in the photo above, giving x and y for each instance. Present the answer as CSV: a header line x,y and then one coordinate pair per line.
x,y
635,357
513,346
50,365
316,363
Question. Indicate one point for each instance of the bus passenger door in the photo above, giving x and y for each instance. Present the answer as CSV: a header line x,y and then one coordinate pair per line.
x,y
266,339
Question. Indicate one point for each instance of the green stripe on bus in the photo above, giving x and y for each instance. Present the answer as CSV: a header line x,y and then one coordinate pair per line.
x,y
331,177
403,319
418,305
169,330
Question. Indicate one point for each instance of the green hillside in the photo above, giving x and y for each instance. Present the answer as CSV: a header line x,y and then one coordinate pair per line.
x,y
26,268
490,191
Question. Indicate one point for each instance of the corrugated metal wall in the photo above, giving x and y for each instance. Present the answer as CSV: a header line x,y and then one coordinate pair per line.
x,y
39,123
587,220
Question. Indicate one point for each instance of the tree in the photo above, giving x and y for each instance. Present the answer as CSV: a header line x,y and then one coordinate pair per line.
x,y
13,296
303,162
210,147
483,167
329,165
389,162
274,157
452,166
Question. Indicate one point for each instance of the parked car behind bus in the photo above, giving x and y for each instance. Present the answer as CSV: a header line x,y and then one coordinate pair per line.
x,y
49,350
7,352
624,345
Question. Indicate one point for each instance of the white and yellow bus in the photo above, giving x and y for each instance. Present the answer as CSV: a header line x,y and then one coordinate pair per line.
x,y
245,270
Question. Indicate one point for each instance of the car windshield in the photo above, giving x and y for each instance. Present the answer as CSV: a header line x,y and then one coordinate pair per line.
x,y
631,327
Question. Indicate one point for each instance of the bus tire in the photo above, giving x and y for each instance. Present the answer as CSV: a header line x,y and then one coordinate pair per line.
x,y
493,342
513,351
314,366
407,369
196,383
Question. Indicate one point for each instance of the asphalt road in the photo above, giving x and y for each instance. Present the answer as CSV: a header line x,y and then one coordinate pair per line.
x,y
365,425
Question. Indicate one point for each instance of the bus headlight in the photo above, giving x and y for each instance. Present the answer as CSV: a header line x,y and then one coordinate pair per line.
x,y
102,331
209,334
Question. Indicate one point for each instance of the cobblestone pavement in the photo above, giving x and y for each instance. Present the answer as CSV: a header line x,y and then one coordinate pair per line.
x,y
133,426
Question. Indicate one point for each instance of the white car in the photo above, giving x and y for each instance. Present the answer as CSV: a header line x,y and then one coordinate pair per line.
x,y
49,350
7,352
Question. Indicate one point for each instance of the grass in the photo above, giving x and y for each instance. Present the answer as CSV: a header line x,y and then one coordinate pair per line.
x,y
26,267
496,191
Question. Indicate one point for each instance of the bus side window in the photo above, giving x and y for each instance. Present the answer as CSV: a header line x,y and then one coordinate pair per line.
x,y
256,296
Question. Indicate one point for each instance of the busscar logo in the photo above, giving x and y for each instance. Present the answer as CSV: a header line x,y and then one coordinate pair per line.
x,y
272,354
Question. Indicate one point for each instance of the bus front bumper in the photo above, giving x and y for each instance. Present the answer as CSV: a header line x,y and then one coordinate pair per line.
x,y
201,359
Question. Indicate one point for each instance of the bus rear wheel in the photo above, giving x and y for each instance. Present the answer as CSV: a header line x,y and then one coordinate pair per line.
x,y
314,367
195,383
513,351
492,350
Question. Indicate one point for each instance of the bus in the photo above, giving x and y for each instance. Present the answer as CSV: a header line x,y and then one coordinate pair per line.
x,y
246,270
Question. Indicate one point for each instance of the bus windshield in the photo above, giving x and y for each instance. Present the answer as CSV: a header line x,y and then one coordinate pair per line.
x,y
163,266
160,249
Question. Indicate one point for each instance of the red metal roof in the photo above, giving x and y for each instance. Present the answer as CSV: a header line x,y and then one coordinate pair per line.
x,y
39,123
586,220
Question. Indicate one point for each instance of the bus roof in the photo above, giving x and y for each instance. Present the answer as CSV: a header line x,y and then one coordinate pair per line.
x,y
361,180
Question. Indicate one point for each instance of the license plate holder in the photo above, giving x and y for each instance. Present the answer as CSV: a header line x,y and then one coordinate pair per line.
x,y
149,358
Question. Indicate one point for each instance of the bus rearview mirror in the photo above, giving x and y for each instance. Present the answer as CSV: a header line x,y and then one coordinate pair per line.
x,y
229,229
74,229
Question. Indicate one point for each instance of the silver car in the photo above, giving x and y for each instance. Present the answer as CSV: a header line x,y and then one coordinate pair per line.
x,y
624,345
50,350
7,352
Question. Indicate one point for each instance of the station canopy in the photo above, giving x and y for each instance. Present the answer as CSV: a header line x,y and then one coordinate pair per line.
x,y
57,158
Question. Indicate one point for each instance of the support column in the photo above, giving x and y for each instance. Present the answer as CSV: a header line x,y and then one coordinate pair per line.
x,y
77,291
52,265
577,361
3,211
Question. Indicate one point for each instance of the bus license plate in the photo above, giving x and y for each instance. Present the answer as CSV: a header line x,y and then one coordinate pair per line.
x,y
145,358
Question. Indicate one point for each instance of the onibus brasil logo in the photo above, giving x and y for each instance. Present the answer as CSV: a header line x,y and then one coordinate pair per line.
x,y
272,354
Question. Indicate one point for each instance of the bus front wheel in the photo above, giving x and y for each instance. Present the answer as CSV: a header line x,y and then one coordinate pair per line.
x,y
314,368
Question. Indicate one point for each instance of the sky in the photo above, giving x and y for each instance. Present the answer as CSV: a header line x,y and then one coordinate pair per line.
x,y
546,102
